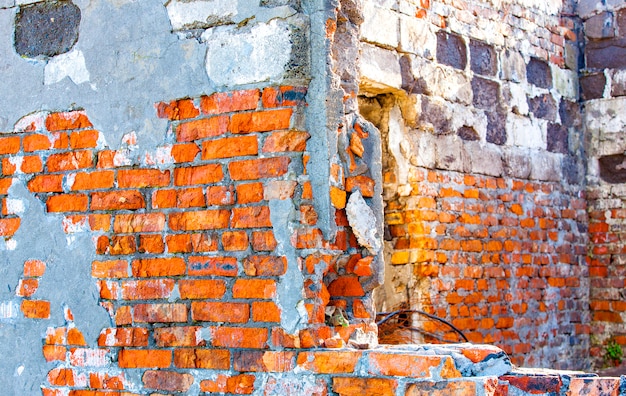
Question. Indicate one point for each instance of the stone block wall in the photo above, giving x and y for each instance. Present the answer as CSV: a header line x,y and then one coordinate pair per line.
x,y
483,170
603,88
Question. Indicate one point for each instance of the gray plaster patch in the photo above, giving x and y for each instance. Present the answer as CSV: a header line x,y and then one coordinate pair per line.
x,y
67,282
46,29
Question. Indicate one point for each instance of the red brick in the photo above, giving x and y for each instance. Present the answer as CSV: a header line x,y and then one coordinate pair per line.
x,y
84,139
181,109
152,267
109,269
204,174
67,203
207,266
249,193
239,337
93,180
263,241
265,266
170,381
70,161
242,384
185,152
124,337
117,200
178,336
235,241
346,286
6,182
118,245
164,313
151,289
226,102
329,362
283,141
201,288
32,164
200,129
229,147
199,220
258,168
254,288
265,311
213,359
220,312
36,309
10,145
8,227
260,121
36,142
45,183
144,358
151,243
140,178
251,217
139,222
67,121
220,195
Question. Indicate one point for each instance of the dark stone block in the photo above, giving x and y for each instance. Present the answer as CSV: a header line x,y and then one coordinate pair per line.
x,y
543,106
570,114
618,87
468,133
606,54
486,93
483,59
46,29
600,26
437,115
572,171
538,73
496,126
558,138
613,168
620,21
451,50
592,86
409,83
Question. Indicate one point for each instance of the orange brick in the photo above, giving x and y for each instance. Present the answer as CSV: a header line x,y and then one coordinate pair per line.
x,y
117,200
45,183
204,174
31,164
220,312
27,287
139,222
36,309
34,268
67,203
117,245
207,266
179,243
73,160
201,288
249,193
160,313
200,129
283,141
229,147
177,110
226,102
214,359
10,145
346,286
36,142
149,243
61,377
265,311
199,220
123,337
242,384
54,353
140,178
9,226
185,152
337,197
260,121
362,183
190,197
350,386
158,267
263,241
265,266
84,139
258,168
93,180
179,336
235,240
239,337
144,358
254,288
220,195
251,217
283,96
67,121
329,362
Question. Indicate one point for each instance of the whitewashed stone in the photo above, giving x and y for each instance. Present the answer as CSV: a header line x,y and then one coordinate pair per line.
x,y
525,132
417,37
186,14
380,68
380,25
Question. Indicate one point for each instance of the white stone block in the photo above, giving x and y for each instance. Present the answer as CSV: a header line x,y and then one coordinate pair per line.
x,y
380,67
516,96
380,25
185,14
417,37
565,82
525,132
